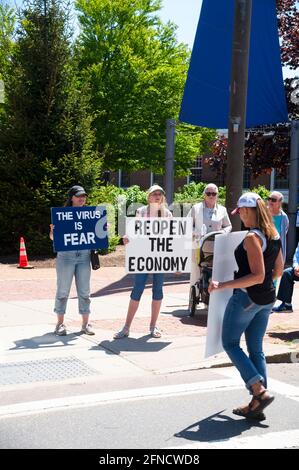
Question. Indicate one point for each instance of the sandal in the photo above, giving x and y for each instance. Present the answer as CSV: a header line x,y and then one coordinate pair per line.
x,y
124,333
155,332
258,417
256,413
263,403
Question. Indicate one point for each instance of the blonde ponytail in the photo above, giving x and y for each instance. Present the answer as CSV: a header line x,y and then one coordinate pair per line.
x,y
264,220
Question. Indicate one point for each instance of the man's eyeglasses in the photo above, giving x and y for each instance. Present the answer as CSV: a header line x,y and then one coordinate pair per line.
x,y
211,194
272,199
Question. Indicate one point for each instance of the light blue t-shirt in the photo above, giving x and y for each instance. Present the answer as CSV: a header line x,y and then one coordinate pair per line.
x,y
277,222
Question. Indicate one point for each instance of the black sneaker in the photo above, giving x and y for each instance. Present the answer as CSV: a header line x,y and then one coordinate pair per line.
x,y
283,308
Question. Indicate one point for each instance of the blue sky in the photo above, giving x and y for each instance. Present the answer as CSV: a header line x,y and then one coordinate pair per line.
x,y
185,14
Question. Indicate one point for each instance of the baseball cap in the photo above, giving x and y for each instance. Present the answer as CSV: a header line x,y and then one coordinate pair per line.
x,y
246,200
155,187
77,191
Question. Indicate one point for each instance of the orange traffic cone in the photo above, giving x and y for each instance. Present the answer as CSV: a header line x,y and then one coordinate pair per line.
x,y
23,263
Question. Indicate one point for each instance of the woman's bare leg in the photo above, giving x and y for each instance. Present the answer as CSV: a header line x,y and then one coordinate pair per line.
x,y
156,306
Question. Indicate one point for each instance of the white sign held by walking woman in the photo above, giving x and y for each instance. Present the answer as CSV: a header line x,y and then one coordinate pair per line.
x,y
224,265
158,244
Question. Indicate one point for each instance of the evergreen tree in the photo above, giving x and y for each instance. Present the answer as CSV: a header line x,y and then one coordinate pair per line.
x,y
46,141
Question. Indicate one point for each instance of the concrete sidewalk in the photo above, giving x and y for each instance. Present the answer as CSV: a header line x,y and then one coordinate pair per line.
x,y
27,323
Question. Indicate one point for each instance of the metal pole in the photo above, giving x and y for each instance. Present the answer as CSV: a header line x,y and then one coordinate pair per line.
x,y
237,112
169,161
293,189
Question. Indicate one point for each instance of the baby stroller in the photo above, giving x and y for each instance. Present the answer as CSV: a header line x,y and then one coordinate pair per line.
x,y
199,290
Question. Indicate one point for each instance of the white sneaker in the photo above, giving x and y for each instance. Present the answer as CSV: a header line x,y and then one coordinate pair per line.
x,y
87,329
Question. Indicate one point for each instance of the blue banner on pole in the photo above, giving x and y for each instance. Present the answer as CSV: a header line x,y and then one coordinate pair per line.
x,y
79,228
206,95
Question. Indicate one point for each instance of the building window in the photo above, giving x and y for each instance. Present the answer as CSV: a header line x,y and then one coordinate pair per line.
x,y
157,179
196,171
123,179
281,182
220,180
246,178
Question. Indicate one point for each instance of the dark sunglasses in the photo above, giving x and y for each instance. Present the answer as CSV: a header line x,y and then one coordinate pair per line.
x,y
272,199
211,194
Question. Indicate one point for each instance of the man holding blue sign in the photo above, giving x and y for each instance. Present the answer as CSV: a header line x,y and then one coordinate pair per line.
x,y
75,230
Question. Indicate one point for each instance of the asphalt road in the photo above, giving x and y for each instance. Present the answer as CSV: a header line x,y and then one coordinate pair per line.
x,y
184,414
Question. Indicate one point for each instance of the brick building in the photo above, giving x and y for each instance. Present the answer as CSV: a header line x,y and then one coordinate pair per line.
x,y
199,172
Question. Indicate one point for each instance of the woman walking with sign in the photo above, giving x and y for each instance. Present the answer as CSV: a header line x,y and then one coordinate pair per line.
x,y
259,259
71,264
156,207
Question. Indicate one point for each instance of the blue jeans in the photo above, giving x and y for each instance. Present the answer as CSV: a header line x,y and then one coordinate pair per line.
x,y
68,265
286,286
139,285
242,315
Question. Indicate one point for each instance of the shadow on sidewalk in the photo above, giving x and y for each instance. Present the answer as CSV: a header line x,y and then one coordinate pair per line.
x,y
45,341
125,284
217,427
133,345
285,336
185,319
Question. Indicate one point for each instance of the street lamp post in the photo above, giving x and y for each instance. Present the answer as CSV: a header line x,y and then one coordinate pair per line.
x,y
169,160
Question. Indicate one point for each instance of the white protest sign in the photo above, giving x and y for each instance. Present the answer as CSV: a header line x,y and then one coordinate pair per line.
x,y
158,245
224,265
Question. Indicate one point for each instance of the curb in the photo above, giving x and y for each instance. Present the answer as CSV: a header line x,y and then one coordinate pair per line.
x,y
288,357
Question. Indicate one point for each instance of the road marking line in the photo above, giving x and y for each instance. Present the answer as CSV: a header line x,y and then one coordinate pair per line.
x,y
287,390
117,396
272,440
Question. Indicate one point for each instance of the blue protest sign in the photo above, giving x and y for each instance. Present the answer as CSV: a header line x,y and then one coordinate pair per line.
x,y
79,228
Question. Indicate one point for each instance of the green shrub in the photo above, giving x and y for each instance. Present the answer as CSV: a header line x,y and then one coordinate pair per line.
x,y
262,191
36,233
104,194
117,199
193,193
135,195
113,242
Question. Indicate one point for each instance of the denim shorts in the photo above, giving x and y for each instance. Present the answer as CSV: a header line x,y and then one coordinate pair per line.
x,y
139,285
